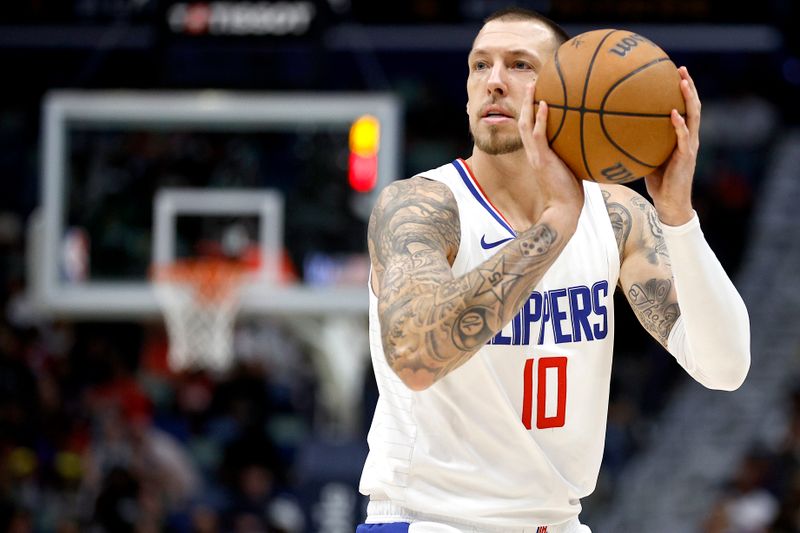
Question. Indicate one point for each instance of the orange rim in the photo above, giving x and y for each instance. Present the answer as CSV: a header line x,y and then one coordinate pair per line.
x,y
212,279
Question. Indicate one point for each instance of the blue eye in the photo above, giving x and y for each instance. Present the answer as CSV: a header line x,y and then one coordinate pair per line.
x,y
521,65
480,65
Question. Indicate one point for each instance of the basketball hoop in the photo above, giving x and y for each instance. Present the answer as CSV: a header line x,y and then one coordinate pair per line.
x,y
199,298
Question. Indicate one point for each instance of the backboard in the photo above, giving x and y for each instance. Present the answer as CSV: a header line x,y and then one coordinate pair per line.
x,y
106,156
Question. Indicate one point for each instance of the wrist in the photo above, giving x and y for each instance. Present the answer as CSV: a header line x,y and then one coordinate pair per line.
x,y
675,216
693,224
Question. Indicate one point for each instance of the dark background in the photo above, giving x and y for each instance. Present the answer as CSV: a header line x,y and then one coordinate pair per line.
x,y
75,393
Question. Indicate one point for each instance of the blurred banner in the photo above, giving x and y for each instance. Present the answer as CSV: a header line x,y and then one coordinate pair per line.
x,y
303,16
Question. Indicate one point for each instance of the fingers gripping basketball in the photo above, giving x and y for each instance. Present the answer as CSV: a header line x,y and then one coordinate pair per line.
x,y
533,130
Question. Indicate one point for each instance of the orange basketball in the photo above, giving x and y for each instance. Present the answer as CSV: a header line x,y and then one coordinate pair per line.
x,y
610,94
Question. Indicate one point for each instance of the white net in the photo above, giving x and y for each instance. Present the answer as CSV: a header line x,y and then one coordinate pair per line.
x,y
199,300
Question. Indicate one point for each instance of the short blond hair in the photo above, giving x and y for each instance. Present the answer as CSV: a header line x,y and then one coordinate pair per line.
x,y
512,14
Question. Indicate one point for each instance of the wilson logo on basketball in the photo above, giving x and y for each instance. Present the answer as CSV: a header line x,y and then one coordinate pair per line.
x,y
627,44
617,173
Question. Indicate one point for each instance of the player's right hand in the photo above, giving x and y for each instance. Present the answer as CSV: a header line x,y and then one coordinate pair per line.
x,y
557,183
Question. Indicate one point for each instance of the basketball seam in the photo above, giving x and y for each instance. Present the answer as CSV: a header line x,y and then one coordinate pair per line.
x,y
608,93
564,93
583,100
612,113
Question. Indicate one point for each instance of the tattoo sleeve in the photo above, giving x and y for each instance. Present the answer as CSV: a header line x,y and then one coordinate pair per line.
x,y
620,221
655,306
431,322
646,272
653,236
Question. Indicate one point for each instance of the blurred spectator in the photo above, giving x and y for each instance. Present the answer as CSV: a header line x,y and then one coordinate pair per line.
x,y
746,506
786,472
94,441
764,493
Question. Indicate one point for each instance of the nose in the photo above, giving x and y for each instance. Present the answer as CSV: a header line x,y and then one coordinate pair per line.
x,y
497,81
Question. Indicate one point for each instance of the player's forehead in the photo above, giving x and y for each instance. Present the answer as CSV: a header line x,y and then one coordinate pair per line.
x,y
531,36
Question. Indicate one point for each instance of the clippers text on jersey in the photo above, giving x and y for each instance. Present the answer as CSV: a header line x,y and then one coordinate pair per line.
x,y
570,314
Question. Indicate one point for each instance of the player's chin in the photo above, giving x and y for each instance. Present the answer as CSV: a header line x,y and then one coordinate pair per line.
x,y
499,144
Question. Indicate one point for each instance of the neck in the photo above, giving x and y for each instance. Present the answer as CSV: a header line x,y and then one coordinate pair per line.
x,y
510,184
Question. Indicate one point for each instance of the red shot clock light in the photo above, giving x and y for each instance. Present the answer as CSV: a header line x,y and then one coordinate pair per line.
x,y
362,170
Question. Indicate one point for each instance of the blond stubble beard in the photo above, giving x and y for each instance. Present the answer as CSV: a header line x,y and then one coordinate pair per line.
x,y
494,143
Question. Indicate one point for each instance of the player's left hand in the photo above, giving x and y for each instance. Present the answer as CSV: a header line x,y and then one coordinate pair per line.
x,y
670,185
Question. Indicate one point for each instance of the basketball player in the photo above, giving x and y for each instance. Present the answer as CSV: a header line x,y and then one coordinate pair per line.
x,y
491,309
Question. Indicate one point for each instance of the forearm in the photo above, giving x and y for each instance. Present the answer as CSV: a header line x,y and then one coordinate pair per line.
x,y
435,328
711,340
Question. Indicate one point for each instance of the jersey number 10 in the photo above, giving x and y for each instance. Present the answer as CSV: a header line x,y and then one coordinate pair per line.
x,y
559,368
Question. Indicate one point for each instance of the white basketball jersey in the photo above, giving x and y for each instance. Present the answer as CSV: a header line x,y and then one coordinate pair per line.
x,y
514,437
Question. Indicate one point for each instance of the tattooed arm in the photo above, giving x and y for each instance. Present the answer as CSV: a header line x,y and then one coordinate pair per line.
x,y
683,299
431,322
645,269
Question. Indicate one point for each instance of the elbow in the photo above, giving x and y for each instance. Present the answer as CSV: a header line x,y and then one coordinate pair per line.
x,y
736,378
416,380
733,375
410,369
417,384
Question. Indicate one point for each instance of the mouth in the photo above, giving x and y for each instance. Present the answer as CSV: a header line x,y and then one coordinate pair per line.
x,y
496,114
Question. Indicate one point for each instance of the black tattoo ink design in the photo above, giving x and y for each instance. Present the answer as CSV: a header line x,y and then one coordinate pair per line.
x,y
431,322
641,203
472,327
539,242
656,311
660,246
654,241
621,221
496,280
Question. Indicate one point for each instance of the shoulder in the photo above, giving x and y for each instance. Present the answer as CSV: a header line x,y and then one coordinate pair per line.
x,y
613,193
620,197
400,192
636,224
416,208
627,211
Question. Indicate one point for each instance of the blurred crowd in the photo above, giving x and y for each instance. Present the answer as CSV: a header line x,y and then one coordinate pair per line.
x,y
96,434
763,494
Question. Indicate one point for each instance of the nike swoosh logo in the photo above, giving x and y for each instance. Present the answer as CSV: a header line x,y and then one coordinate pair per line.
x,y
487,245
